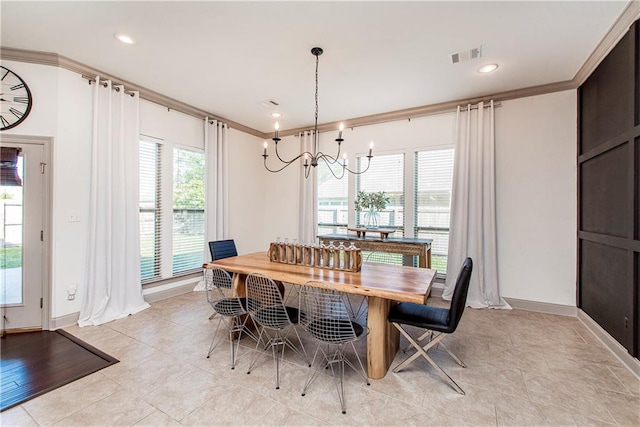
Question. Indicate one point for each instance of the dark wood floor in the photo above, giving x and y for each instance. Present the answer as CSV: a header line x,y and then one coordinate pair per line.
x,y
34,363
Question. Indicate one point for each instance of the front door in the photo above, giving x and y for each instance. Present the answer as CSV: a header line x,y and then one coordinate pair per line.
x,y
21,235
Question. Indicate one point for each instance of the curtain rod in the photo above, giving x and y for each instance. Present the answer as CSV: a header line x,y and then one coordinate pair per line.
x,y
114,85
496,104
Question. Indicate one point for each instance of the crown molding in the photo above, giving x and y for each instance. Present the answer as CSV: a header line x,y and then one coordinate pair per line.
x,y
60,61
427,110
629,15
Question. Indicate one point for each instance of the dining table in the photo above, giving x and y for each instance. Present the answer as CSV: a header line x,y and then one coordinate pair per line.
x,y
382,284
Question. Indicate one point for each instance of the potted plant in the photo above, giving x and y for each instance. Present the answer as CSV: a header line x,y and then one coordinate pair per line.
x,y
371,204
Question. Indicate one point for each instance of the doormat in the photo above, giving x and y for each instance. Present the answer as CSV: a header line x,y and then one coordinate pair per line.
x,y
34,363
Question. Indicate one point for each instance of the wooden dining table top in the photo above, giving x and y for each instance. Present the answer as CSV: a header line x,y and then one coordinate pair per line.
x,y
392,282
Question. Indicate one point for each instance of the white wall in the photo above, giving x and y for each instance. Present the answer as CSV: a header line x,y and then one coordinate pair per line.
x,y
536,197
536,188
247,195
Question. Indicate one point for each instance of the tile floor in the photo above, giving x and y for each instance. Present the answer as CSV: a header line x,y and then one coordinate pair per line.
x,y
523,368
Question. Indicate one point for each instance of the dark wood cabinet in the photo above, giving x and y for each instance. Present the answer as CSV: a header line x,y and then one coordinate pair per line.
x,y
609,192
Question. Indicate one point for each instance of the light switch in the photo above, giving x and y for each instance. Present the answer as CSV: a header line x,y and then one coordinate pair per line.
x,y
73,216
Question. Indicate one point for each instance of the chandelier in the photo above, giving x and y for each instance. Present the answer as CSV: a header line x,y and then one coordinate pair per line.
x,y
312,158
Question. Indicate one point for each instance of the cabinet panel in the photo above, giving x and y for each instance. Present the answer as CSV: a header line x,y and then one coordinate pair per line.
x,y
608,96
605,205
607,294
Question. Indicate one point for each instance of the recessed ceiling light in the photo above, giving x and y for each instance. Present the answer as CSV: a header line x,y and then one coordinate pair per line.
x,y
488,68
124,38
276,114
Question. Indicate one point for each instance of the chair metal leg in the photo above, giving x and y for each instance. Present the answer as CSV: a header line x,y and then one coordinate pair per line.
x,y
339,359
214,341
423,352
453,356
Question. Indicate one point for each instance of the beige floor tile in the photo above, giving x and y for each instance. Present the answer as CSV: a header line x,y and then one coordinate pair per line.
x,y
157,419
282,415
146,376
400,413
574,397
630,381
119,409
238,406
64,401
17,417
624,408
181,395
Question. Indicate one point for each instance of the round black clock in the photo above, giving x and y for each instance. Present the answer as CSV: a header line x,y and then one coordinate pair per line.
x,y
15,99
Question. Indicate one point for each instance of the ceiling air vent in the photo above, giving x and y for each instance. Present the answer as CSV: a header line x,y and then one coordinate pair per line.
x,y
466,55
269,103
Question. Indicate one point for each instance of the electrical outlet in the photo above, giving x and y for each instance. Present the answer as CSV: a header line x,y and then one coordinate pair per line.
x,y
71,292
626,322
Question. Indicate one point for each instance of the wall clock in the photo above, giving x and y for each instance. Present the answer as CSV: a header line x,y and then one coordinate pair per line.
x,y
15,99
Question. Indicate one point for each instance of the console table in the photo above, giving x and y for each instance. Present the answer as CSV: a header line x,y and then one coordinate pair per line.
x,y
397,245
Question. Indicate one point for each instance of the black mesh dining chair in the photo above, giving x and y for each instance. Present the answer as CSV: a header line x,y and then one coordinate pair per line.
x,y
231,310
221,249
328,321
442,321
276,321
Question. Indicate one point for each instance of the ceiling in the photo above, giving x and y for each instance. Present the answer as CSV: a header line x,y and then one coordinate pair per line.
x,y
228,57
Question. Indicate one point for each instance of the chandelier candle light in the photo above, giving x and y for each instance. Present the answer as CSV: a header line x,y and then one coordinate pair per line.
x,y
312,158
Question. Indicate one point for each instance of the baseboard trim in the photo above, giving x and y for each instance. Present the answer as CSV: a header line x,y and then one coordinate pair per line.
x,y
170,290
542,307
614,346
64,321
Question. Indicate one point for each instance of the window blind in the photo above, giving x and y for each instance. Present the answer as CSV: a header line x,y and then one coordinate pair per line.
x,y
386,173
333,203
433,184
188,210
150,209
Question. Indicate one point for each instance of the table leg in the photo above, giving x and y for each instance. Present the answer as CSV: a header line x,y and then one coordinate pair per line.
x,y
383,339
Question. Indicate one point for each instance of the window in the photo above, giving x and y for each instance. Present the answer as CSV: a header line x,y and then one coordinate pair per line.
x,y
433,184
150,209
386,173
171,243
188,210
333,203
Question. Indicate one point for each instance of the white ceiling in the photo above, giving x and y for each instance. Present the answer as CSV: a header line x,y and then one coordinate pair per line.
x,y
227,57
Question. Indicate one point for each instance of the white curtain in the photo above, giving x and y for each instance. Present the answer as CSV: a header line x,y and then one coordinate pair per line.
x,y
308,215
216,185
217,181
113,288
473,207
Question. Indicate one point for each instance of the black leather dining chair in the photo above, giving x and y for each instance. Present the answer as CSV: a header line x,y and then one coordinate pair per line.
x,y
443,321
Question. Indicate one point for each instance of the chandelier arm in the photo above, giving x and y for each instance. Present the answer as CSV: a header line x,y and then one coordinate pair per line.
x,y
285,162
331,169
275,170
327,158
358,173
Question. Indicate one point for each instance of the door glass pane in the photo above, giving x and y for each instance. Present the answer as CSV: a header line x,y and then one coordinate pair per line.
x,y
11,200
